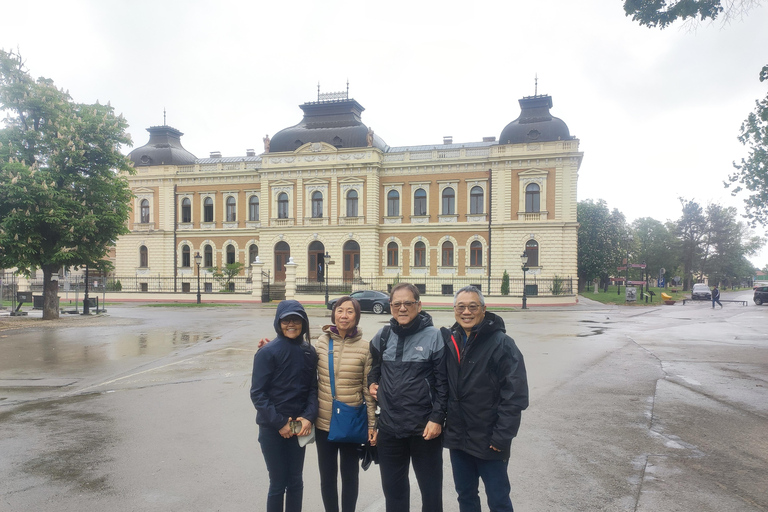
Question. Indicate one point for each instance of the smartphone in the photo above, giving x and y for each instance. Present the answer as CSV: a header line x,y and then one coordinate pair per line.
x,y
295,426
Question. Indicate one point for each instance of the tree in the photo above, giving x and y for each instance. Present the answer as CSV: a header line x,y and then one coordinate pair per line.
x,y
600,246
726,245
662,13
690,229
505,283
655,245
227,273
62,201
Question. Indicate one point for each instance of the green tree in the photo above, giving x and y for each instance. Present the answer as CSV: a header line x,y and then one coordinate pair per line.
x,y
227,273
656,246
600,244
726,245
62,201
505,283
662,13
690,230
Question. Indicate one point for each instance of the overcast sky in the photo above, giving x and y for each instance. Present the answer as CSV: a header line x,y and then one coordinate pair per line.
x,y
657,112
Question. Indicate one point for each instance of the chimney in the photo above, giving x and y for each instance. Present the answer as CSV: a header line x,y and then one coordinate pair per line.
x,y
250,152
448,139
489,139
215,154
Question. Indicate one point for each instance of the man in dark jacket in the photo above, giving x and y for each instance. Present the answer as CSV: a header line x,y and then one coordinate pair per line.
x,y
487,392
408,380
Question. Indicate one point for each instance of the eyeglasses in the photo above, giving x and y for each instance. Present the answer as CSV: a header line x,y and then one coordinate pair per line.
x,y
408,304
473,308
295,320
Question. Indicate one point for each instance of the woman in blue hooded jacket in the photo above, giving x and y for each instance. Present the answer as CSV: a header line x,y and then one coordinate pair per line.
x,y
284,391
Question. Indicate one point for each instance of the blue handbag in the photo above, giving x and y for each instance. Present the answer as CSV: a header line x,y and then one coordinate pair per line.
x,y
349,424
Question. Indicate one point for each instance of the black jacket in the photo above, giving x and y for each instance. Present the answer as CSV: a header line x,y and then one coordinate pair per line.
x,y
487,390
410,369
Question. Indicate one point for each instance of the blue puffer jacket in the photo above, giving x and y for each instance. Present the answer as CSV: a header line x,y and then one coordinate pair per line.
x,y
284,381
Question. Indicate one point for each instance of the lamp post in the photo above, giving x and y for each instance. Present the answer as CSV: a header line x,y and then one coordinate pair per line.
x,y
198,260
524,260
326,259
629,239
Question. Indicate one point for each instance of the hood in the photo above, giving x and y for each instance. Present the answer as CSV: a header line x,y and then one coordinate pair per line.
x,y
290,307
420,322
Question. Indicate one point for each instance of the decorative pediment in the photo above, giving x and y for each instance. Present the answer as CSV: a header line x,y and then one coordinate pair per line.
x,y
316,147
281,183
531,173
315,182
143,190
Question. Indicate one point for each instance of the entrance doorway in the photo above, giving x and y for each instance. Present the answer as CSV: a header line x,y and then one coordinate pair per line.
x,y
282,253
351,256
316,270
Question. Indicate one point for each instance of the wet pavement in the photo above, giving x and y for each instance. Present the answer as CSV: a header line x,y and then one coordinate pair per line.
x,y
147,409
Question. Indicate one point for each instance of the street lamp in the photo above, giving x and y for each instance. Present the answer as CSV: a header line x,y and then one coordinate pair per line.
x,y
326,258
524,260
629,239
198,261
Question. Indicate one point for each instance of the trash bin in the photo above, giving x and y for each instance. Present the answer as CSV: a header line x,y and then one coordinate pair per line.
x,y
92,302
38,302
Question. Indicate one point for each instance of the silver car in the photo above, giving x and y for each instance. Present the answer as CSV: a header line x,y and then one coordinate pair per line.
x,y
700,291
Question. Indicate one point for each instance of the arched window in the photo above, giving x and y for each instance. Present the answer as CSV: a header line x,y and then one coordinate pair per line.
x,y
208,256
208,210
532,250
253,208
282,206
419,255
143,257
476,200
393,203
231,209
337,141
449,201
447,254
420,202
253,251
144,212
230,254
186,261
532,199
186,210
476,254
392,254
317,204
352,203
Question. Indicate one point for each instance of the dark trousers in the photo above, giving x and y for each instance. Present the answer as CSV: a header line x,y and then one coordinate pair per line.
x,y
331,456
716,300
285,464
395,456
467,471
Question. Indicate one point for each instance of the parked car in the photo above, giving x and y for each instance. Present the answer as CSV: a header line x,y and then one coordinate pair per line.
x,y
761,295
370,300
700,291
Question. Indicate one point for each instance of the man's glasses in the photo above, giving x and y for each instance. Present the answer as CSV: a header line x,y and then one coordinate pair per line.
x,y
408,304
473,308
295,320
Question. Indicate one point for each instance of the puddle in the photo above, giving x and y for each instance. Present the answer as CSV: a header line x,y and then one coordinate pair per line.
x,y
595,332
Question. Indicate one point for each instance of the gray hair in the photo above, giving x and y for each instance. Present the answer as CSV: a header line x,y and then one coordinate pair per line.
x,y
470,289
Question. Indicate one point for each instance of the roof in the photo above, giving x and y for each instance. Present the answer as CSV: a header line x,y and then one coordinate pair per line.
x,y
535,123
164,148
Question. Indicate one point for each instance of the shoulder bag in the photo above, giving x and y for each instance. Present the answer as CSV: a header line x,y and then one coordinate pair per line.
x,y
349,424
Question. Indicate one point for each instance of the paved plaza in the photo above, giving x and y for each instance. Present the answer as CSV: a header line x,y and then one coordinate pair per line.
x,y
641,409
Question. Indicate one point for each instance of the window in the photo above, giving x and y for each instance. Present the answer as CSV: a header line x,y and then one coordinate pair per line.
x,y
186,210
144,211
253,208
208,210
476,200
230,254
208,256
419,255
532,198
337,142
447,254
392,254
317,205
449,201
231,209
393,203
532,250
420,202
253,251
143,257
352,203
185,259
476,254
282,206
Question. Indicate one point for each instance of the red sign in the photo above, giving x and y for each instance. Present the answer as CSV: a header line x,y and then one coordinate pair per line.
x,y
638,265
621,268
636,282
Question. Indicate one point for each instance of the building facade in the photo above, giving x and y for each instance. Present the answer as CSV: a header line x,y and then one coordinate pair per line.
x,y
331,185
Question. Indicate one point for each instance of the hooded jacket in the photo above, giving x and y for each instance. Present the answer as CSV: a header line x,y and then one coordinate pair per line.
x,y
488,389
409,368
284,380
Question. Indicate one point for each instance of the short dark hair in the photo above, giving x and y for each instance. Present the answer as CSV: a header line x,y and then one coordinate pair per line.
x,y
408,286
341,301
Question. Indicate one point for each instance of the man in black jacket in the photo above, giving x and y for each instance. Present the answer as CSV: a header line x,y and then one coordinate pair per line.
x,y
408,379
487,392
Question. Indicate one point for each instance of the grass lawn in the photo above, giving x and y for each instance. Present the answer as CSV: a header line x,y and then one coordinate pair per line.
x,y
611,297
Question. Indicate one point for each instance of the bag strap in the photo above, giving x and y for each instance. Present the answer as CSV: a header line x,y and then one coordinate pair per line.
x,y
384,338
330,366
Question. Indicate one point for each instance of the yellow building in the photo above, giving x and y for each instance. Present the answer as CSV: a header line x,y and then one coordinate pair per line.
x,y
447,213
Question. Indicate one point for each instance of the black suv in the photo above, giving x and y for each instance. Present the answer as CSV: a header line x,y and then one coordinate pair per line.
x,y
761,295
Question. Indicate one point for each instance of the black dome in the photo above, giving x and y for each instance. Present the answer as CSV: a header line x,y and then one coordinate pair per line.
x,y
535,123
164,148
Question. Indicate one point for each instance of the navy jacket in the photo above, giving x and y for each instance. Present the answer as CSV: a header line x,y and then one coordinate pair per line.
x,y
284,381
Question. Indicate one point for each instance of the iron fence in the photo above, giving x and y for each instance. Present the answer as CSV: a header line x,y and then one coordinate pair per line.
x,y
157,284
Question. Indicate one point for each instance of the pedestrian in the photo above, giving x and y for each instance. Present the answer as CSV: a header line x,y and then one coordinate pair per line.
x,y
716,297
284,392
487,392
351,364
408,379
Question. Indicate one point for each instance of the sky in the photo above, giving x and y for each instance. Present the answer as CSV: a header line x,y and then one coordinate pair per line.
x,y
657,112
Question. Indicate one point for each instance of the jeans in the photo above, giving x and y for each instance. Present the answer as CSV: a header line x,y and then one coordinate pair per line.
x,y
468,469
395,456
329,455
718,301
285,464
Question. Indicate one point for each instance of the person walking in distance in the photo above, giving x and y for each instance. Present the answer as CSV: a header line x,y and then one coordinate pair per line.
x,y
716,297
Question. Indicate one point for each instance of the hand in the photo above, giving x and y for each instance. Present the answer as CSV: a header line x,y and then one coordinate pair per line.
x,y
495,449
306,426
374,389
286,430
263,341
432,430
372,435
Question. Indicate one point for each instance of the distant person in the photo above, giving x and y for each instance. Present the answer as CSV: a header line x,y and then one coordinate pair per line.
x,y
716,297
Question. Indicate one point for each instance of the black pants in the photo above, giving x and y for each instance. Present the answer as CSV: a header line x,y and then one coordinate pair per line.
x,y
395,456
285,464
331,456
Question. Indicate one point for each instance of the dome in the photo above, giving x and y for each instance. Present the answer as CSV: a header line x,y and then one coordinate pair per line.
x,y
535,123
164,148
335,122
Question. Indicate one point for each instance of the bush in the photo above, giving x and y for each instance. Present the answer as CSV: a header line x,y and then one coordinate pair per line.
x,y
558,285
114,285
505,283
